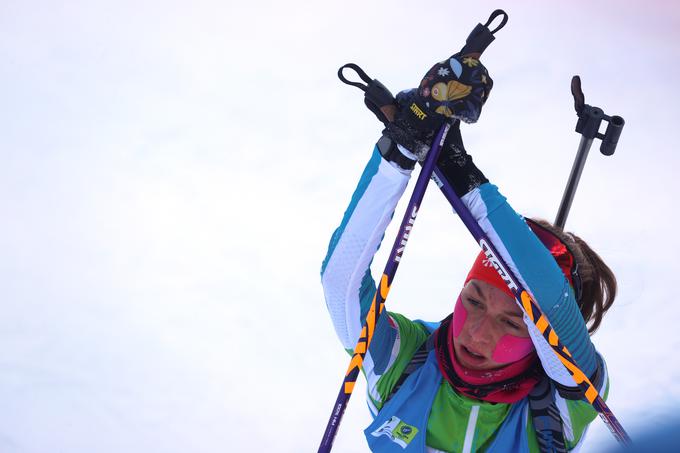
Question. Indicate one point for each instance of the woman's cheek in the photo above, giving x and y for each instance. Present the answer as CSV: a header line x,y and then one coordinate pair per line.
x,y
459,317
511,348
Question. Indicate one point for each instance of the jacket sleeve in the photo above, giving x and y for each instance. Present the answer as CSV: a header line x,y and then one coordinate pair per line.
x,y
345,273
349,287
536,269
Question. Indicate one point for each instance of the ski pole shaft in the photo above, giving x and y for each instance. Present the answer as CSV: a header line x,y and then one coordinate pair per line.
x,y
572,183
531,309
588,125
378,303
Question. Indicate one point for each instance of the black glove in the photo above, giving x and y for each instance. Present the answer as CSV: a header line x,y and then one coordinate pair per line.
x,y
457,166
380,101
454,163
455,89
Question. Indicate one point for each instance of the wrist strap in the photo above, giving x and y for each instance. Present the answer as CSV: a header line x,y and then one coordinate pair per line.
x,y
389,151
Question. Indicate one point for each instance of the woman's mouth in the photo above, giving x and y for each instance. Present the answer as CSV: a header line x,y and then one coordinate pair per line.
x,y
471,356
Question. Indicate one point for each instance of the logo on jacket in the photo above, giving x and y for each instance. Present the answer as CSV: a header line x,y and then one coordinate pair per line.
x,y
397,431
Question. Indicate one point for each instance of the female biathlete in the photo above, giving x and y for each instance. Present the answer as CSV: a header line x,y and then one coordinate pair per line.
x,y
483,379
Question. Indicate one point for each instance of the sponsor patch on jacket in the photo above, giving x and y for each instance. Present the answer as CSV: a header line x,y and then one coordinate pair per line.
x,y
399,432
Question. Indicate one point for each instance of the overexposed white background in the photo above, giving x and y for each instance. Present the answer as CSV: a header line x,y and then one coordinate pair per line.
x,y
171,172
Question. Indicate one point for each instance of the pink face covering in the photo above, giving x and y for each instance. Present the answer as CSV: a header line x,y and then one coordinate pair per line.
x,y
507,384
509,348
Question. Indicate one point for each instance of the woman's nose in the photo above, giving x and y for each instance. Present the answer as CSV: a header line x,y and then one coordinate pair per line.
x,y
480,330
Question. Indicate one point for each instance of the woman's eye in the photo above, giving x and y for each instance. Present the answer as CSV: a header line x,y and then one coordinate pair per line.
x,y
474,303
512,324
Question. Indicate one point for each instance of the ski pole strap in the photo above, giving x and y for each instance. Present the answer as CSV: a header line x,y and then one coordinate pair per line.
x,y
494,15
481,36
389,150
361,74
377,97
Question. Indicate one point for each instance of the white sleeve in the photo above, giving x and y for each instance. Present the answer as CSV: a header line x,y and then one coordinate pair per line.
x,y
347,265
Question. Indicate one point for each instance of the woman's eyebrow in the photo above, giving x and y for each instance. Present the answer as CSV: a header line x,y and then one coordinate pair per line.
x,y
478,289
514,314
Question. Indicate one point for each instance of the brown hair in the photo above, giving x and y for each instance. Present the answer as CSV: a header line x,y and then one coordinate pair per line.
x,y
597,279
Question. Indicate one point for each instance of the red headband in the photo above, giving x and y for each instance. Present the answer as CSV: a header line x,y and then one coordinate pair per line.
x,y
483,270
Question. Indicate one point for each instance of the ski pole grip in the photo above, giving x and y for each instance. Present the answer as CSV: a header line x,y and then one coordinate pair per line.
x,y
589,120
611,135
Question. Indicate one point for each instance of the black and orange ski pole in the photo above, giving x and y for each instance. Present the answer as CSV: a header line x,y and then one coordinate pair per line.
x,y
532,310
378,303
588,125
480,37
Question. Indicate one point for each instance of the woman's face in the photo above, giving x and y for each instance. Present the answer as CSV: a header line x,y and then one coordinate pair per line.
x,y
489,331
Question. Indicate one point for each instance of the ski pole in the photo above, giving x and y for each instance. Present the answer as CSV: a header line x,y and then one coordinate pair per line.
x,y
531,309
381,292
480,37
588,125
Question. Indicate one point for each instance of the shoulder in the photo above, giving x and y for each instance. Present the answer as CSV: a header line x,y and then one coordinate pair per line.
x,y
395,341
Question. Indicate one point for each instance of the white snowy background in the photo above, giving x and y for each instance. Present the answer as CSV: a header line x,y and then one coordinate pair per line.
x,y
171,172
